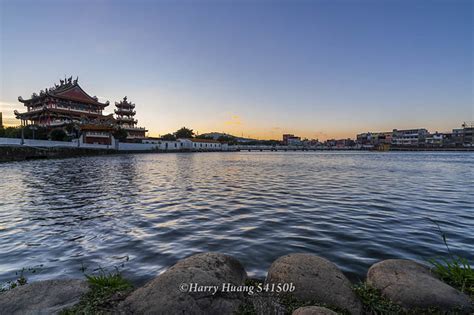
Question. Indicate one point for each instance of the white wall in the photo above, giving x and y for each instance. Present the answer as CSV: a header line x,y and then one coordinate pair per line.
x,y
50,144
121,146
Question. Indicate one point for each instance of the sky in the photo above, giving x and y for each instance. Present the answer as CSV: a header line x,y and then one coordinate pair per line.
x,y
318,69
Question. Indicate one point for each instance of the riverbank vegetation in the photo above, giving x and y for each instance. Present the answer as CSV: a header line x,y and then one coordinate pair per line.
x,y
106,291
454,270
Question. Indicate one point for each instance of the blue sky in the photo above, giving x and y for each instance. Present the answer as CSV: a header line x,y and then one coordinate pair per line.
x,y
319,69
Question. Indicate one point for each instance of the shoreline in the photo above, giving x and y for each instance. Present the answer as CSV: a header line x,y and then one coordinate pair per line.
x,y
218,284
12,153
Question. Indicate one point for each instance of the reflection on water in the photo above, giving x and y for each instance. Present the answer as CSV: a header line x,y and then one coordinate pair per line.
x,y
150,210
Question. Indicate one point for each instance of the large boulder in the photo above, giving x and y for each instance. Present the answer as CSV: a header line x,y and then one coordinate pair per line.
x,y
43,297
174,291
313,310
412,285
315,279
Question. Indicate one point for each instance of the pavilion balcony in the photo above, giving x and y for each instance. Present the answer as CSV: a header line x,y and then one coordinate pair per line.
x,y
121,111
122,105
130,121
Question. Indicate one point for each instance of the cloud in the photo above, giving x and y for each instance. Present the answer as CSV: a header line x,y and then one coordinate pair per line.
x,y
235,120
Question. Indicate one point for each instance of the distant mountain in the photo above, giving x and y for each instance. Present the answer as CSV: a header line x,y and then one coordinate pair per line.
x,y
217,135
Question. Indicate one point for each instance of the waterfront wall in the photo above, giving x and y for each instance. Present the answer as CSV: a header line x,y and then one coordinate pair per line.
x,y
52,144
22,152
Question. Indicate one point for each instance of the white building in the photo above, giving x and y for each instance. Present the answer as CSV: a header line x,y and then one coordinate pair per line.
x,y
195,144
409,137
186,144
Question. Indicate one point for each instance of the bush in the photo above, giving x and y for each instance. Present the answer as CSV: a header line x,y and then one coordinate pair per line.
x,y
12,132
120,134
58,135
106,290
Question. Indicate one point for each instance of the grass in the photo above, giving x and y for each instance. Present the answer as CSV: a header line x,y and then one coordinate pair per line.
x,y
454,270
373,301
106,291
21,278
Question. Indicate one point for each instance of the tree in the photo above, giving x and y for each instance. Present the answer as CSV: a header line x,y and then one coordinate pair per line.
x,y
230,140
13,132
168,137
204,137
184,133
58,135
120,134
2,131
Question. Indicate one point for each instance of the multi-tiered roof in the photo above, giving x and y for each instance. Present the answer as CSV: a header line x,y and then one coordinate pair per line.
x,y
124,116
125,113
65,102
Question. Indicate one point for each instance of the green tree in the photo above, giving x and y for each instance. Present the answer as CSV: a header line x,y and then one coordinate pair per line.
x,y
58,135
168,137
120,134
227,139
204,137
184,133
13,132
2,131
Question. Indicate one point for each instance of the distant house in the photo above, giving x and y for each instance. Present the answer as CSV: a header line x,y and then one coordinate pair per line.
x,y
435,139
290,139
375,138
409,137
196,144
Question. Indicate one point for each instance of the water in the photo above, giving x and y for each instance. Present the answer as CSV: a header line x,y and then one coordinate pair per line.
x,y
146,211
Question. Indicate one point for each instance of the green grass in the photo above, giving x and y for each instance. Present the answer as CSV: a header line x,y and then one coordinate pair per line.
x,y
20,278
454,270
374,303
106,291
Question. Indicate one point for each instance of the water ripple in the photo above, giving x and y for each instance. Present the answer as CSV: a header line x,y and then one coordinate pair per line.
x,y
148,211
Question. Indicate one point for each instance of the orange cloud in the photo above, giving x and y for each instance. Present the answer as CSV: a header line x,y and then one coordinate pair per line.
x,y
235,120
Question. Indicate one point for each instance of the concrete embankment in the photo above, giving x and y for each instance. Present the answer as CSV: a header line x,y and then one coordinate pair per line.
x,y
21,153
298,284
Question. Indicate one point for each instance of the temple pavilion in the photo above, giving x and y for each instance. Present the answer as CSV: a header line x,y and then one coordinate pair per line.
x,y
62,104
67,103
124,116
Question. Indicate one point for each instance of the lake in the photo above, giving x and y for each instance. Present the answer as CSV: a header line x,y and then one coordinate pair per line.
x,y
143,212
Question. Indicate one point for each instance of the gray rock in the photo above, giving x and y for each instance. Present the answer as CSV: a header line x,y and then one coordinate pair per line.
x,y
315,279
313,310
43,297
412,285
162,295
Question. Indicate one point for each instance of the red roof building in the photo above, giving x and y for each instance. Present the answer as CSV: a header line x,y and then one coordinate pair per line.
x,y
62,104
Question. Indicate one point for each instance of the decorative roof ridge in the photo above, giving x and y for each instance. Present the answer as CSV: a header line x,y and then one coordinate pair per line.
x,y
63,86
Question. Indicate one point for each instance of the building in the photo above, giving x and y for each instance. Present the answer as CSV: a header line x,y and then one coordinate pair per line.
x,y
125,119
375,138
64,105
409,137
60,105
290,139
435,139
468,130
195,144
97,134
1,120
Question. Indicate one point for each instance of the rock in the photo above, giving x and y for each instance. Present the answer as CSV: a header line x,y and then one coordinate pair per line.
x,y
315,279
162,295
313,310
412,285
43,297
